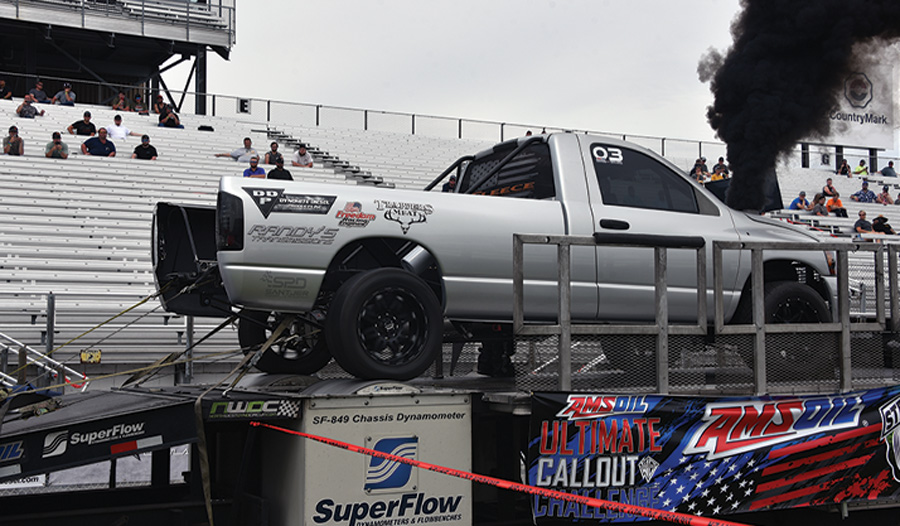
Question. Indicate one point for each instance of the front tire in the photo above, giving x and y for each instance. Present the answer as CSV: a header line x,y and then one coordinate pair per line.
x,y
385,323
304,350
786,302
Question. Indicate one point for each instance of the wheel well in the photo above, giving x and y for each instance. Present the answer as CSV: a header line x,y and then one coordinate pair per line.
x,y
383,252
786,270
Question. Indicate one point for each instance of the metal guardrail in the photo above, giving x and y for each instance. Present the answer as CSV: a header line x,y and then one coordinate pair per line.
x,y
662,329
44,363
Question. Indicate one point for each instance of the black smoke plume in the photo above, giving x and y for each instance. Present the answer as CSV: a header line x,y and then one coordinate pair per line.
x,y
782,77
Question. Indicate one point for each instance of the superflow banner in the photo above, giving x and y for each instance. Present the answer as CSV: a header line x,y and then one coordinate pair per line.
x,y
711,456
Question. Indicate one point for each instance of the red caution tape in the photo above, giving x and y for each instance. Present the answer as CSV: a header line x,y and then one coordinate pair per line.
x,y
669,516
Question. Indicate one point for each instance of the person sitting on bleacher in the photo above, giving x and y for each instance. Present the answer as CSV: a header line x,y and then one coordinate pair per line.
x,y
168,118
885,196
836,206
880,224
861,170
888,171
38,94
844,169
5,92
828,190
118,131
145,151
279,172
99,146
273,155
255,171
242,154
800,203
27,110
139,105
121,103
864,195
302,158
13,144
83,127
818,206
862,226
56,149
65,96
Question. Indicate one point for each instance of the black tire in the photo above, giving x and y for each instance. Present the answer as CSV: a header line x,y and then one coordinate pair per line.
x,y
305,352
385,323
791,302
786,302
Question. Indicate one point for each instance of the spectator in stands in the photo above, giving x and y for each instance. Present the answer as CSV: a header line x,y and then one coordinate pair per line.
x,y
168,118
13,144
242,154
279,172
272,155
722,164
861,170
145,150
37,93
844,169
818,206
528,133
449,186
862,226
302,157
121,103
65,96
56,149
255,171
880,224
99,146
719,174
836,206
697,173
5,92
885,196
864,195
118,131
888,171
83,127
159,104
701,162
800,202
139,105
27,110
828,190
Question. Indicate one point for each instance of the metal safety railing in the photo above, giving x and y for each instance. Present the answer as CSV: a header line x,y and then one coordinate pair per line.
x,y
886,291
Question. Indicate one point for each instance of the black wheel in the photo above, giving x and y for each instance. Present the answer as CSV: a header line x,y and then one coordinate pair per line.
x,y
304,350
791,302
384,323
786,302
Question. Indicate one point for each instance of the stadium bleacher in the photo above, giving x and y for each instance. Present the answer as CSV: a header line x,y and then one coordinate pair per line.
x,y
80,228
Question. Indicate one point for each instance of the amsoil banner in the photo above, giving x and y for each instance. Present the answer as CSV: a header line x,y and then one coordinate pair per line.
x,y
712,456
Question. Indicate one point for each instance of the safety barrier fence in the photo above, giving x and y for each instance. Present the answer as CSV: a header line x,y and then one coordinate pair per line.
x,y
849,352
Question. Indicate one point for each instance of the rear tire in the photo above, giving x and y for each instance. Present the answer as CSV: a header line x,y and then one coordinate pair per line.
x,y
385,323
304,352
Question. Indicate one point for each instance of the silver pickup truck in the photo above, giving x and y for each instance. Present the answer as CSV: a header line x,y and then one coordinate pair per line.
x,y
370,274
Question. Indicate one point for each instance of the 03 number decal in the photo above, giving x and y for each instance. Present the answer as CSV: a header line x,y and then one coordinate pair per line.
x,y
605,154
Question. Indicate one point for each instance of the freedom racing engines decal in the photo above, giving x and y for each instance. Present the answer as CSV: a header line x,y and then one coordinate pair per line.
x,y
712,456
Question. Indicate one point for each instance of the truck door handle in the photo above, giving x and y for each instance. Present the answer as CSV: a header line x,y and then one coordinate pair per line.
x,y
614,224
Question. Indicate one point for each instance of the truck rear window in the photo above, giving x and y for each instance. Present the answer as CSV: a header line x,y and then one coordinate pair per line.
x,y
529,175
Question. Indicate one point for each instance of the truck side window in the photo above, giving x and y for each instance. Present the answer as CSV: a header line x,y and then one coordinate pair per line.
x,y
529,175
630,178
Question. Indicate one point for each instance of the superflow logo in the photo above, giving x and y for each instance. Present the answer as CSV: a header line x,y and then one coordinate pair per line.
x,y
55,444
384,474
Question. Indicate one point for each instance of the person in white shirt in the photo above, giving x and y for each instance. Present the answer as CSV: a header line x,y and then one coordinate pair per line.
x,y
302,158
118,131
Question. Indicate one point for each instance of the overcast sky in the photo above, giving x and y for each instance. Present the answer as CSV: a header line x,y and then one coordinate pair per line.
x,y
605,65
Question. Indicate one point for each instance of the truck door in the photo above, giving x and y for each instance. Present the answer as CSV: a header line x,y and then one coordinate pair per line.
x,y
634,192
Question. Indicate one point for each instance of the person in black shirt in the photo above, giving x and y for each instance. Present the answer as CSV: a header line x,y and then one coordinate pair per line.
x,y
83,127
279,172
145,151
5,92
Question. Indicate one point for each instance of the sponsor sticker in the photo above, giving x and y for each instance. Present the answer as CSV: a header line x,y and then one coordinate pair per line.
x,y
271,200
281,286
406,214
292,235
382,474
352,216
11,451
254,409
